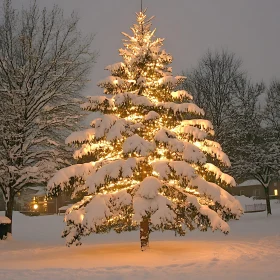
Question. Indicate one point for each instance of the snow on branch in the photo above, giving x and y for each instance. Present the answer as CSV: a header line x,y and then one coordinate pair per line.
x,y
111,80
181,95
202,124
181,108
189,151
109,127
149,187
115,84
105,104
217,194
91,148
148,200
98,103
152,115
94,213
170,80
191,131
215,220
115,67
135,99
63,176
102,103
138,145
193,154
164,135
110,172
121,127
219,174
214,150
181,169
82,136
164,213
102,125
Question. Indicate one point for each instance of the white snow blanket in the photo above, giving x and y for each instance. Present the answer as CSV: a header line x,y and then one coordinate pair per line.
x,y
37,252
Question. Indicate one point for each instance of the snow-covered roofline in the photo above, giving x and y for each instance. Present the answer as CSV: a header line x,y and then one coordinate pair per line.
x,y
251,182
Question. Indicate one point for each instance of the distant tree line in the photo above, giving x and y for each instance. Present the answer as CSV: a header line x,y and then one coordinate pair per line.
x,y
245,115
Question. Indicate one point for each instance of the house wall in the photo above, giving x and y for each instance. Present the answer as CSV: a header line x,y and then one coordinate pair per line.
x,y
24,202
53,204
275,186
23,199
257,190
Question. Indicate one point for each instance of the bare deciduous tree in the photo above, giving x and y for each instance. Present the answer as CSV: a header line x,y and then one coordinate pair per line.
x,y
231,102
243,122
213,83
272,110
44,62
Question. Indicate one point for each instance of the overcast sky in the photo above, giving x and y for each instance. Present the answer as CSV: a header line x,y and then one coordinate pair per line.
x,y
250,28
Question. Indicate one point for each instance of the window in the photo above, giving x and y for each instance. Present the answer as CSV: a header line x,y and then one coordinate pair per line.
x,y
276,192
256,192
242,192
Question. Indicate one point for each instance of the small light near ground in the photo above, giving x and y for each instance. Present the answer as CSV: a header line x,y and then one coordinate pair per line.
x,y
35,206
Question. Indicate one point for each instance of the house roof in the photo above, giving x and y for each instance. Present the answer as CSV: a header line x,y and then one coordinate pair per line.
x,y
247,183
40,190
65,207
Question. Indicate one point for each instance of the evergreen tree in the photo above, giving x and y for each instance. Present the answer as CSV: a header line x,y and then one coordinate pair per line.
x,y
146,163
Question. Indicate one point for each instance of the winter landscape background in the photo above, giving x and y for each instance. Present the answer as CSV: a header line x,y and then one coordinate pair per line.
x,y
155,156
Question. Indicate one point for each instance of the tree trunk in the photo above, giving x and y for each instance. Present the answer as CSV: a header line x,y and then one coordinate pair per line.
x,y
267,198
144,233
9,212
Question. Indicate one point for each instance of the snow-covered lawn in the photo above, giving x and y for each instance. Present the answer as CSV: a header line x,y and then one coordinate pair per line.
x,y
250,251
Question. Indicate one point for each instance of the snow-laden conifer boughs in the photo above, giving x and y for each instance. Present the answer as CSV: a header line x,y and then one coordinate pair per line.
x,y
154,161
63,176
229,180
139,145
165,168
148,200
181,95
152,115
110,172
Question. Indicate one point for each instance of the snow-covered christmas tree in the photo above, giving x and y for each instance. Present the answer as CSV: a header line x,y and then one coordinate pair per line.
x,y
147,163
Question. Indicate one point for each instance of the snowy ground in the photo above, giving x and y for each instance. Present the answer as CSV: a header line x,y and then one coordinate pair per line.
x,y
250,251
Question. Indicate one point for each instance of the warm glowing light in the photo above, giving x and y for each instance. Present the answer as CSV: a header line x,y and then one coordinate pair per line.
x,y
144,149
35,206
